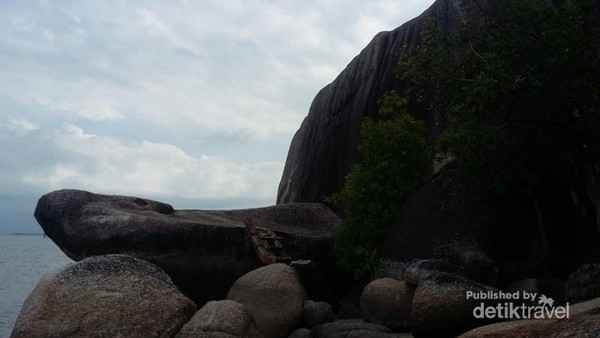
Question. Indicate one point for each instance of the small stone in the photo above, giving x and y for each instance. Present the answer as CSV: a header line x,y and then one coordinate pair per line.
x,y
316,313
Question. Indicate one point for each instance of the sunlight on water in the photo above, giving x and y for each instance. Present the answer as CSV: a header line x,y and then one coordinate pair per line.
x,y
23,260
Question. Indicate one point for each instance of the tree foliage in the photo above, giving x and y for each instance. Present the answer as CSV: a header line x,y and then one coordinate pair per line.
x,y
516,91
393,164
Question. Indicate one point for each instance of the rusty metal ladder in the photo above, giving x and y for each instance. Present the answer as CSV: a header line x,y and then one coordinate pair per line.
x,y
266,244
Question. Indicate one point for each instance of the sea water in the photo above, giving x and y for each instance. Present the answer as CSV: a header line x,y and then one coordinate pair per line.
x,y
23,260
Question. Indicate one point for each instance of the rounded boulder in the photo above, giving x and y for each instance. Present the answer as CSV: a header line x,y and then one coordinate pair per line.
x,y
388,302
104,296
274,296
225,317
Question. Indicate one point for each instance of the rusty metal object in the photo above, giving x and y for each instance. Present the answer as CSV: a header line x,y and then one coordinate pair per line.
x,y
266,244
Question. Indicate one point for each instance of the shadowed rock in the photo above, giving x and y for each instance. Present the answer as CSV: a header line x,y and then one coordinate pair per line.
x,y
440,307
584,321
204,252
219,319
350,328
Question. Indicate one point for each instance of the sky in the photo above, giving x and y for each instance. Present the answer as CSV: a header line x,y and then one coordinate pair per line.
x,y
192,103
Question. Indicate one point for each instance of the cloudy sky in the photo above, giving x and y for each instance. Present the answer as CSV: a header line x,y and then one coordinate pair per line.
x,y
193,103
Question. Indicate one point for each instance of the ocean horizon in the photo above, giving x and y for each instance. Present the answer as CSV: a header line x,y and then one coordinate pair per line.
x,y
24,259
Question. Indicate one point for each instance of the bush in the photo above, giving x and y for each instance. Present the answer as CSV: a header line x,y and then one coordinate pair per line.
x,y
393,164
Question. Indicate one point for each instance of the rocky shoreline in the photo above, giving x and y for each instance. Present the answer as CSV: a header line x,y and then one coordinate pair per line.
x,y
121,284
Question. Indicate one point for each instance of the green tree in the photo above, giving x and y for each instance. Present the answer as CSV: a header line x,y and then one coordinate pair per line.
x,y
393,164
516,91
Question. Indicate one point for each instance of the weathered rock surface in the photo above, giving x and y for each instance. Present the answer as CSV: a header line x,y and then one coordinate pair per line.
x,y
204,252
440,306
388,302
421,270
316,313
584,321
324,148
471,260
104,296
217,318
552,288
502,227
301,333
274,296
314,283
584,283
350,328
391,268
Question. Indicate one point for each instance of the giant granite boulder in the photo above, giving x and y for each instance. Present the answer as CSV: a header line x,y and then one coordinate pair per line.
x,y
104,296
324,148
204,252
504,228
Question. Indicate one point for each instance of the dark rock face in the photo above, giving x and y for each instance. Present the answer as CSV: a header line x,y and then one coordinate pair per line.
x,y
440,220
441,309
584,283
324,148
204,252
316,313
581,326
421,270
472,261
504,228
351,328
105,296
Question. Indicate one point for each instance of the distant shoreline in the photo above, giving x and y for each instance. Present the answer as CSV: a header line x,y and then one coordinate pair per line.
x,y
23,234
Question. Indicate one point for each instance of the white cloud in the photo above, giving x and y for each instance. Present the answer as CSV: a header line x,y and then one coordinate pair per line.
x,y
19,126
104,164
169,99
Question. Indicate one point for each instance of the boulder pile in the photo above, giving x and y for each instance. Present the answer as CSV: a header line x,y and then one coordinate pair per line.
x,y
203,251
120,295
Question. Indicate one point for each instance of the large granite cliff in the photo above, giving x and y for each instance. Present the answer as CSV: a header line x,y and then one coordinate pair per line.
x,y
505,227
324,148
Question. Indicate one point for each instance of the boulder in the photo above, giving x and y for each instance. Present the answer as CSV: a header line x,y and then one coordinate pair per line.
x,y
324,148
104,296
471,260
584,283
391,268
350,328
218,318
274,296
421,270
316,313
504,226
584,321
204,252
301,333
314,283
440,306
388,302
552,288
